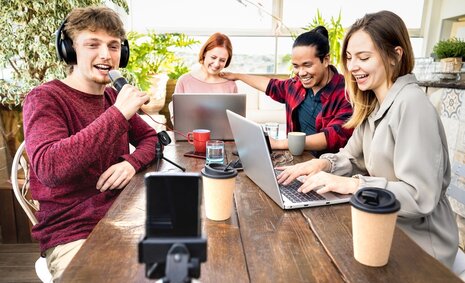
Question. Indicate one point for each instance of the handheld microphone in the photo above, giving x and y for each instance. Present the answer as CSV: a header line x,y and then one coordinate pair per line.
x,y
119,81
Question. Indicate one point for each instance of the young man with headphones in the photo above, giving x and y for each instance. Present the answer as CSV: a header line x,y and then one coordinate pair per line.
x,y
77,133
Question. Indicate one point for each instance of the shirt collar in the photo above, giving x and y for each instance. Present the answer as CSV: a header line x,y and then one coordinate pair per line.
x,y
328,89
392,93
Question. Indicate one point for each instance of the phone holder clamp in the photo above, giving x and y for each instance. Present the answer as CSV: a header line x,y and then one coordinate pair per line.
x,y
173,260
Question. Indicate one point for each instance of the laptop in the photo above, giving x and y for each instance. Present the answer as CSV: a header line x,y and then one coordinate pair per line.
x,y
256,161
206,111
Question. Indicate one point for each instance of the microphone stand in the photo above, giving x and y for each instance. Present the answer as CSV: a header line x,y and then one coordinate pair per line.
x,y
165,139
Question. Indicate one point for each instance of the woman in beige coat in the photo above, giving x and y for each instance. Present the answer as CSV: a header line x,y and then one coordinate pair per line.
x,y
398,143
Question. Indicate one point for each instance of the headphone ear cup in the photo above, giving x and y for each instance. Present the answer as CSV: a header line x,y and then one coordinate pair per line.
x,y
124,58
68,52
64,46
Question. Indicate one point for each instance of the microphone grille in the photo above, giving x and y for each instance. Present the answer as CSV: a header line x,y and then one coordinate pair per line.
x,y
114,75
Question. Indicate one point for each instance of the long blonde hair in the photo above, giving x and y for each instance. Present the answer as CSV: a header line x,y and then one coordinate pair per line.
x,y
387,31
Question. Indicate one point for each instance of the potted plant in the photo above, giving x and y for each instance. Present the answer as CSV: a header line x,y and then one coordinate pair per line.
x,y
27,55
451,52
335,34
153,64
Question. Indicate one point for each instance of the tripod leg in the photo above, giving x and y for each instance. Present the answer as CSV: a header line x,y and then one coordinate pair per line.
x,y
177,165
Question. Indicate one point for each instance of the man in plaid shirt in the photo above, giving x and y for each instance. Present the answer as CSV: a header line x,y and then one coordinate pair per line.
x,y
315,98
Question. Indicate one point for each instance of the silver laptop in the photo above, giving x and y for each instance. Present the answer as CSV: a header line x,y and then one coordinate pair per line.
x,y
256,161
206,111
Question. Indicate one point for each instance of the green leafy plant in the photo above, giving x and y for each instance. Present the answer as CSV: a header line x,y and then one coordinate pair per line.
x,y
450,48
178,71
27,48
335,34
154,53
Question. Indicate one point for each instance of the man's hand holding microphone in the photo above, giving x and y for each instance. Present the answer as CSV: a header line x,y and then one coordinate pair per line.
x,y
129,99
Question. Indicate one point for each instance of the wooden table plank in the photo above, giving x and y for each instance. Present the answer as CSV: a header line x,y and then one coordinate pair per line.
x,y
279,246
407,261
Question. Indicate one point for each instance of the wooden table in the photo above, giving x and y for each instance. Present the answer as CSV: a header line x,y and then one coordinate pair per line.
x,y
259,243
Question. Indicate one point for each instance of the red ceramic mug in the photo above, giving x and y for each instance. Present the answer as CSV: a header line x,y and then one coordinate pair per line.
x,y
199,138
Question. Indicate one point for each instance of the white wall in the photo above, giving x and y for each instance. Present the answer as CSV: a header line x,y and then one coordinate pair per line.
x,y
452,8
436,28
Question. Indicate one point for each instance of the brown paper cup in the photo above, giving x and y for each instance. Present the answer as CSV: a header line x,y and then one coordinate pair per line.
x,y
218,197
219,183
372,235
374,215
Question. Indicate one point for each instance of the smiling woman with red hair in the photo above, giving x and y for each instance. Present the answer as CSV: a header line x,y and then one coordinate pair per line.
x,y
214,56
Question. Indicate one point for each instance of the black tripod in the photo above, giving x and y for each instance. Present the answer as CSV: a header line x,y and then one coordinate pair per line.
x,y
164,139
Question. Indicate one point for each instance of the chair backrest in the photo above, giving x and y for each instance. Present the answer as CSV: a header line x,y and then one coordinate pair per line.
x,y
20,163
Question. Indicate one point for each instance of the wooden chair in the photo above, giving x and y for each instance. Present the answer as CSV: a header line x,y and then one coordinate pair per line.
x,y
21,191
21,187
456,194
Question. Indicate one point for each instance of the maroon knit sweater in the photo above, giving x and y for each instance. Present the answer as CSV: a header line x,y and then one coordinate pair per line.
x,y
71,139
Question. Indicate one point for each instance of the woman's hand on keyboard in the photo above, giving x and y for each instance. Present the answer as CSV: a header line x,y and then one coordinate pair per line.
x,y
307,168
324,182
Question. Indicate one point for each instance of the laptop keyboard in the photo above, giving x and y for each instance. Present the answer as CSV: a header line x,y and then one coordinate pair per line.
x,y
290,191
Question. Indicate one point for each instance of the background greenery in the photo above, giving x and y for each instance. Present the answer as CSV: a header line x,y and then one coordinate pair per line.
x,y
335,34
155,53
27,44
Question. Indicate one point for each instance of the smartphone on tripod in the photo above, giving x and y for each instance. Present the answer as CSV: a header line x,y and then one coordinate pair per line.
x,y
173,204
173,242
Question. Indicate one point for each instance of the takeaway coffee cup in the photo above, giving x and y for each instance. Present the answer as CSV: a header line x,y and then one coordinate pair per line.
x,y
296,142
199,138
219,182
374,214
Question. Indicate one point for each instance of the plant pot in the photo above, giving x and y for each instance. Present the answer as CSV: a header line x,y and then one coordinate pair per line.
x,y
11,129
170,86
157,94
451,64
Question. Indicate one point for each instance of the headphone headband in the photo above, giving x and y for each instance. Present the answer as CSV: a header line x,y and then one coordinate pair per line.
x,y
65,50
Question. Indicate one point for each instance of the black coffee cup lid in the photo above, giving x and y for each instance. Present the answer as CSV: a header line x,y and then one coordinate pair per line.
x,y
375,200
217,171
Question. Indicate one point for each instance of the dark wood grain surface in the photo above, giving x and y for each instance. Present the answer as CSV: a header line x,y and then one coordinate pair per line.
x,y
259,243
407,261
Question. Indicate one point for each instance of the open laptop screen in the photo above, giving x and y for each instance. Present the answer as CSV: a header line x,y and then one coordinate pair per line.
x,y
206,111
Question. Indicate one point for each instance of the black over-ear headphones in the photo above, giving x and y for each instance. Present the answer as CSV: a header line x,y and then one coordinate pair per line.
x,y
66,52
